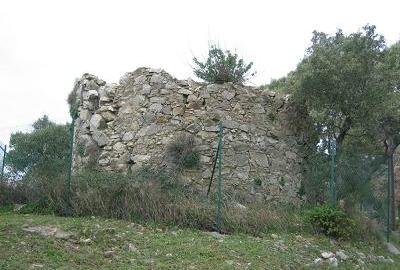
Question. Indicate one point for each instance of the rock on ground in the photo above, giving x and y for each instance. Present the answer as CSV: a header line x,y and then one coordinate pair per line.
x,y
392,249
48,231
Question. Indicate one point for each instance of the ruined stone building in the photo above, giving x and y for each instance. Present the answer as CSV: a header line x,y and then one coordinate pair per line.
x,y
123,126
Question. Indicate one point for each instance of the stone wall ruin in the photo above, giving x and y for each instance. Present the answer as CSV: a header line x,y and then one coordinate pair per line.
x,y
123,126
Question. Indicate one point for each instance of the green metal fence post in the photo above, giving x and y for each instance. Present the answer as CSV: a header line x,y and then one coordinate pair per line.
x,y
68,208
332,181
219,184
388,199
392,194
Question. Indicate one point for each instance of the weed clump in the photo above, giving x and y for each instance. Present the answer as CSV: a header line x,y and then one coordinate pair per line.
x,y
182,153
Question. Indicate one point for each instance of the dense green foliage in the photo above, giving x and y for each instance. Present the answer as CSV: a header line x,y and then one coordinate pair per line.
x,y
37,164
331,221
72,102
337,80
44,151
222,66
385,123
349,85
286,84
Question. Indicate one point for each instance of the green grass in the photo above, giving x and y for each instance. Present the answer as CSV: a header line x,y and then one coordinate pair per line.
x,y
163,248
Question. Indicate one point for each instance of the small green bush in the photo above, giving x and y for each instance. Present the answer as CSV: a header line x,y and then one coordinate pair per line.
x,y
257,181
331,221
222,66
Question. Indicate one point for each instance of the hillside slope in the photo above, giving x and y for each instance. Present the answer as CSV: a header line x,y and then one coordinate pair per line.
x,y
48,242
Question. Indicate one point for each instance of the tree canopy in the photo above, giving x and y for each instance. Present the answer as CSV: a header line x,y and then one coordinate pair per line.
x,y
44,151
349,85
338,80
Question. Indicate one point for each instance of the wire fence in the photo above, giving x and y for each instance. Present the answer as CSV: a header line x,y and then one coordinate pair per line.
x,y
361,183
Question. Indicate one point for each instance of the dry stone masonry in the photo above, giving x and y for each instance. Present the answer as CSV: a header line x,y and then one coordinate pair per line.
x,y
123,126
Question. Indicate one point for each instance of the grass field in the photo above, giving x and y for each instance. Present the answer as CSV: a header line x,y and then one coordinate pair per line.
x,y
94,243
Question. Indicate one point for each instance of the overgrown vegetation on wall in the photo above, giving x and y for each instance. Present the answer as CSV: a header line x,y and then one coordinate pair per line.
x,y
182,153
222,66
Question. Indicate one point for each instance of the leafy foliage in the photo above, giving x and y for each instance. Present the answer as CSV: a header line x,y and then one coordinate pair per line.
x,y
348,82
222,66
331,221
385,122
391,67
43,151
42,123
287,84
349,86
38,160
72,102
337,80
257,182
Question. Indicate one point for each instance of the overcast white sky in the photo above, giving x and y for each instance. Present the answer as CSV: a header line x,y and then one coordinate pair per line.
x,y
45,45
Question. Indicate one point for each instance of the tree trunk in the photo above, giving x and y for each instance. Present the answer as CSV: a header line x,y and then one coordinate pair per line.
x,y
343,132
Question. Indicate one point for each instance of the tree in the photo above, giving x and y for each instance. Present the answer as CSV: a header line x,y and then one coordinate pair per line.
x,y
286,84
222,66
350,85
42,152
337,80
39,161
42,123
344,81
385,123
388,114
